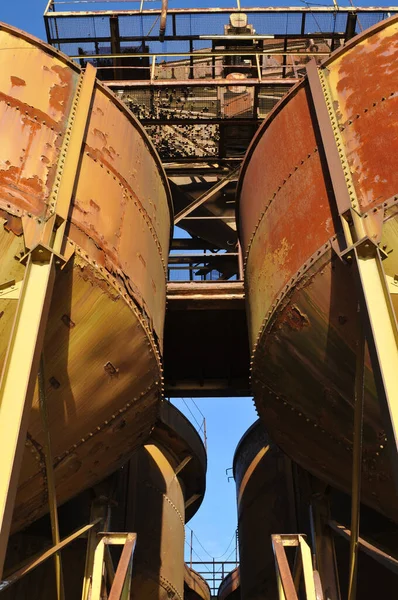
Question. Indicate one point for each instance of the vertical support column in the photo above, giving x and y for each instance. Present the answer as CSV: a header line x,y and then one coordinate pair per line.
x,y
18,381
100,513
357,461
52,498
364,255
21,365
323,545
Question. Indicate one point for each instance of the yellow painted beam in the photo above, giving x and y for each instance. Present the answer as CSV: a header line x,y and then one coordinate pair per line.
x,y
18,381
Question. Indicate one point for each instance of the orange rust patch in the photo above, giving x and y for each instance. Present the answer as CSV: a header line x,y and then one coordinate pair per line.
x,y
108,152
89,274
367,88
12,224
101,135
295,319
30,111
94,205
60,93
142,259
24,193
17,81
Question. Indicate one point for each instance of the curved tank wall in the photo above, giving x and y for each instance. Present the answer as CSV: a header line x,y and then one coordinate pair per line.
x,y
195,587
230,586
103,342
302,305
147,496
158,507
264,484
159,490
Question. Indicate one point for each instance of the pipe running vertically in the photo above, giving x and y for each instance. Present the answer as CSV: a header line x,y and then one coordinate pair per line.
x,y
163,20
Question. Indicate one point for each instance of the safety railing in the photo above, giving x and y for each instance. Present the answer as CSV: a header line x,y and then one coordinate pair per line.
x,y
100,573
214,571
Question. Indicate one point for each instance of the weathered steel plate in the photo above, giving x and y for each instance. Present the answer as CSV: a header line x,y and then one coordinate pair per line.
x,y
301,298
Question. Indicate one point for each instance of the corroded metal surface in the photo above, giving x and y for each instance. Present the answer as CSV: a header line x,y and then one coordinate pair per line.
x,y
301,298
263,478
104,336
230,586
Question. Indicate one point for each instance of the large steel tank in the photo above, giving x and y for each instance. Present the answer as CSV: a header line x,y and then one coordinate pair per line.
x,y
265,501
301,295
160,489
103,340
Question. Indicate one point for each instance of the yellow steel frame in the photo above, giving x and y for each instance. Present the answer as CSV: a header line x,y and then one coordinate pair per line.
x,y
18,382
21,365
40,558
102,566
288,582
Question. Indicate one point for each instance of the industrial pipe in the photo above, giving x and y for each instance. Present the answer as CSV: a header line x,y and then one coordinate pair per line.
x,y
163,18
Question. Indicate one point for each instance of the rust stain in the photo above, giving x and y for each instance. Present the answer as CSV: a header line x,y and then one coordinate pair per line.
x,y
94,205
108,152
90,275
141,259
101,135
295,319
111,370
12,223
17,81
98,155
22,191
60,93
366,81
29,111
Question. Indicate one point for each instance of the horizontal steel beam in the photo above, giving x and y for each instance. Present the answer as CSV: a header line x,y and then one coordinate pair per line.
x,y
209,11
208,388
182,38
252,82
381,557
199,121
43,556
198,55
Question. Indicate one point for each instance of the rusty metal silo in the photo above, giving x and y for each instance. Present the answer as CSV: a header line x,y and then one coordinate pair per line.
x,y
160,489
85,225
230,586
264,486
195,586
317,210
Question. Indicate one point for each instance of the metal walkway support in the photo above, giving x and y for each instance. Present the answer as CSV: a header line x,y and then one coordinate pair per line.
x,y
288,582
119,581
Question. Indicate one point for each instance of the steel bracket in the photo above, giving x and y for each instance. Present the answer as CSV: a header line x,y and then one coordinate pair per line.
x,y
41,254
365,248
10,290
